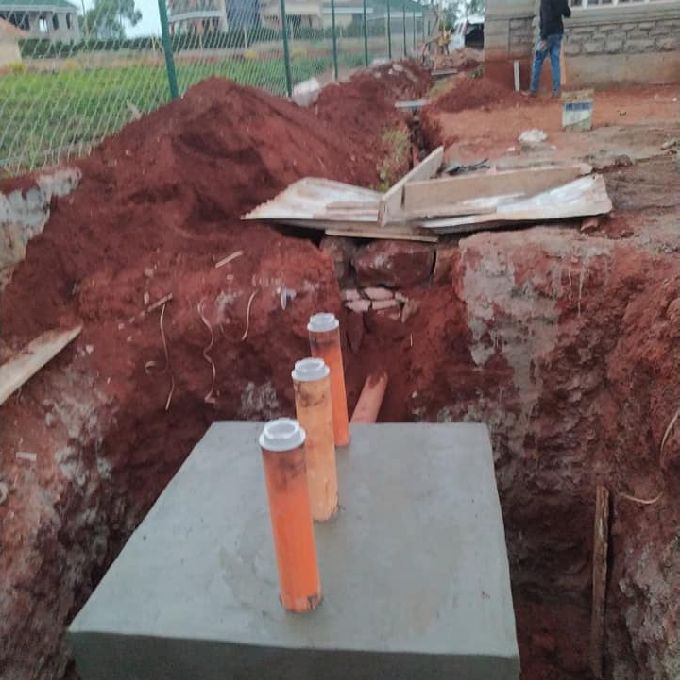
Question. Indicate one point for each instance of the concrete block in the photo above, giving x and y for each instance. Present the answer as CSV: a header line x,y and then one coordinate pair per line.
x,y
594,47
614,45
573,48
645,25
414,570
667,43
639,45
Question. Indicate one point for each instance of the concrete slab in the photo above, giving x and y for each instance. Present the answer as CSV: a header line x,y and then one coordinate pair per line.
x,y
414,570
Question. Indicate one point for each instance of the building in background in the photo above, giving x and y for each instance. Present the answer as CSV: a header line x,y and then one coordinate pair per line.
x,y
299,14
350,13
9,44
606,41
53,20
197,16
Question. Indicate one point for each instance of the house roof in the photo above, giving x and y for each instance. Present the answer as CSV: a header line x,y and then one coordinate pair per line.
x,y
35,5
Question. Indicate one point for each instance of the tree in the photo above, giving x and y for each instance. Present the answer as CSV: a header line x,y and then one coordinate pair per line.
x,y
105,20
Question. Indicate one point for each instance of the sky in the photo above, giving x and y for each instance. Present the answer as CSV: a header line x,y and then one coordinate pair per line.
x,y
150,23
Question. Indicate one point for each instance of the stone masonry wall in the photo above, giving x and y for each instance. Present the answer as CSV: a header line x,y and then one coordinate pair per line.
x,y
521,35
627,29
620,35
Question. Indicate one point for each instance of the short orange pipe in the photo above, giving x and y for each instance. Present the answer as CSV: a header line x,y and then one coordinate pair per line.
x,y
324,339
370,399
282,443
312,380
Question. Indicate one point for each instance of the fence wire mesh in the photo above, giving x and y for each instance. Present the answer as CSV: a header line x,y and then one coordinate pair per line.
x,y
72,74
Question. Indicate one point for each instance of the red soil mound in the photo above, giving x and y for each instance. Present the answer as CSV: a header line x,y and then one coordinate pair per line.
x,y
472,93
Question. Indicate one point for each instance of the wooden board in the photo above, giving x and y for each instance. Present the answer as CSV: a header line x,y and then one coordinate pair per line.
x,y
17,371
584,197
433,196
392,200
600,543
564,78
383,232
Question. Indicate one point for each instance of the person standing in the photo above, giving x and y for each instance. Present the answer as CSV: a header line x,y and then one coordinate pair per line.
x,y
549,43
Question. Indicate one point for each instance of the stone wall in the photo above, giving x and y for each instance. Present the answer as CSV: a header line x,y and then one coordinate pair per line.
x,y
613,31
613,44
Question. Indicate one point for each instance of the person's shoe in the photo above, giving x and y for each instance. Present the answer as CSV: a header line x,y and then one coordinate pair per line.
x,y
529,94
556,95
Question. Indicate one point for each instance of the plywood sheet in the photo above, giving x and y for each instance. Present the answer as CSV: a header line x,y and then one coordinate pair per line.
x,y
440,196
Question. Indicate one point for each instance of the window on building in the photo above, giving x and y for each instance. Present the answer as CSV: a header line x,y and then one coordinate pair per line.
x,y
55,22
68,21
585,4
42,24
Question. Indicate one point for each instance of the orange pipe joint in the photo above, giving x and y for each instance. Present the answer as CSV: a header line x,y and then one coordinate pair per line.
x,y
313,404
282,443
324,339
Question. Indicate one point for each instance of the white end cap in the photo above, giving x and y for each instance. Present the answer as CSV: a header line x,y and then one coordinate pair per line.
x,y
284,434
322,322
310,369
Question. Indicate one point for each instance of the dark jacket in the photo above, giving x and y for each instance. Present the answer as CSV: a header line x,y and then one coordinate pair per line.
x,y
552,12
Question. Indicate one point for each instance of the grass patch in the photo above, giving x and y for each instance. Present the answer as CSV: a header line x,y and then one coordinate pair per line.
x,y
47,117
396,145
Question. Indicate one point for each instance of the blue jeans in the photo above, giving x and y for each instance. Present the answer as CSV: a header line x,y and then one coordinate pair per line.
x,y
552,46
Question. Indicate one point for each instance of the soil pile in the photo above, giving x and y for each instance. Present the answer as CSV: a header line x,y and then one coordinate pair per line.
x,y
471,93
180,176
365,105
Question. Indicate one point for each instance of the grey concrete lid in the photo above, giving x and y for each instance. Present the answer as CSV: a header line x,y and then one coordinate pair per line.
x,y
415,562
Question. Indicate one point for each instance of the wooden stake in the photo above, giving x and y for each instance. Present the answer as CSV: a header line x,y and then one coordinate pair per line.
x,y
600,544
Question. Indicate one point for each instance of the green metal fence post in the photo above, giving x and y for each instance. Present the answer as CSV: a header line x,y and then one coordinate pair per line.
x,y
365,37
335,44
286,54
389,32
167,50
403,26
414,32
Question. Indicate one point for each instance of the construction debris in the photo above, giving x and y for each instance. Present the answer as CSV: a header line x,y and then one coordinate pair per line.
x,y
421,206
26,363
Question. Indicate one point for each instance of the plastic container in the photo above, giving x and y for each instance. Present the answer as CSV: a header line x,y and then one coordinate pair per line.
x,y
282,443
324,339
312,380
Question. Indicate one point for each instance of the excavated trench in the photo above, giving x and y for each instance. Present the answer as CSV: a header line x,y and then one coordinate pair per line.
x,y
565,344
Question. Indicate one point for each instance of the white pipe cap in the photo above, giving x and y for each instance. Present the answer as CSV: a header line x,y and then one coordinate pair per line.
x,y
322,322
284,434
310,369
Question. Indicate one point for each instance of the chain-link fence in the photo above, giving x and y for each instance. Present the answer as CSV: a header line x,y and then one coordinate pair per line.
x,y
70,75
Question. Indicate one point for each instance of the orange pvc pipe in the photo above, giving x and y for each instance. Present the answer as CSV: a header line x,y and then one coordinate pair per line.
x,y
290,513
313,405
324,339
370,399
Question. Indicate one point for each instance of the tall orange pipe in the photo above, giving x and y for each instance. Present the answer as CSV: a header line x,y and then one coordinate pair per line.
x,y
312,380
324,339
290,513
